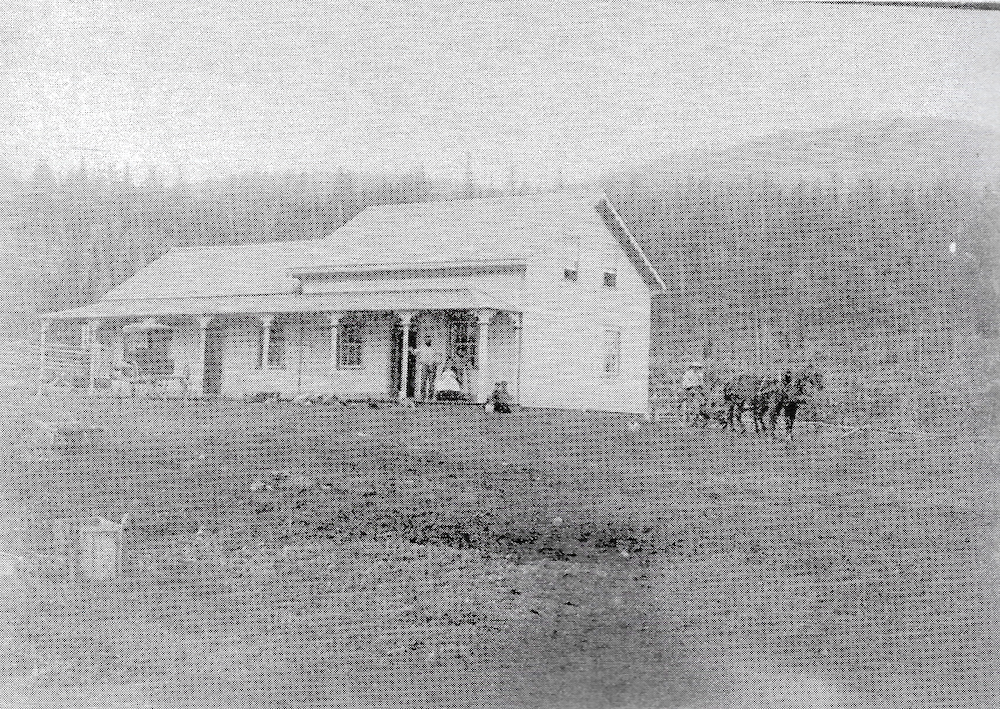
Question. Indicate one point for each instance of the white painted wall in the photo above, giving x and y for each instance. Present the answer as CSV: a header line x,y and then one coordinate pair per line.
x,y
564,326
307,366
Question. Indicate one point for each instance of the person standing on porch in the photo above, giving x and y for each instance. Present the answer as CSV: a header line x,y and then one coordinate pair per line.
x,y
427,361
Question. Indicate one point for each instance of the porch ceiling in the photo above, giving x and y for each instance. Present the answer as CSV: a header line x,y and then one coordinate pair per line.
x,y
458,299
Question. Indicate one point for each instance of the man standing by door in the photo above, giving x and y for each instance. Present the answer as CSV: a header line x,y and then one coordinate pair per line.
x,y
427,361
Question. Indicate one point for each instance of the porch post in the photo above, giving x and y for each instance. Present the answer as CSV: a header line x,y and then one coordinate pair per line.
x,y
266,321
483,316
405,318
94,347
203,322
334,334
46,323
518,328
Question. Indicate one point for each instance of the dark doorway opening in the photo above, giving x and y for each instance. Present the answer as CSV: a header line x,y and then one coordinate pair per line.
x,y
396,365
215,340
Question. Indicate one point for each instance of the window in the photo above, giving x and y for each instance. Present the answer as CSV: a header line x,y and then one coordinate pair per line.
x,y
609,263
570,245
276,348
612,352
463,343
350,346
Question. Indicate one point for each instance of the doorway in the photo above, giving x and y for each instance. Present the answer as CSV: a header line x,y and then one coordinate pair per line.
x,y
396,362
215,341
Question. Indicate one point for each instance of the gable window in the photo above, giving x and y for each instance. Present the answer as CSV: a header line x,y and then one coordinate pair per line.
x,y
569,245
350,346
609,264
276,347
612,352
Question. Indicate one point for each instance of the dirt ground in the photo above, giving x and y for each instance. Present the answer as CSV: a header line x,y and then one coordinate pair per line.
x,y
293,556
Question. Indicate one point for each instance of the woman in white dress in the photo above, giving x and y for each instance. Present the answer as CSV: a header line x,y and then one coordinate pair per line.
x,y
447,387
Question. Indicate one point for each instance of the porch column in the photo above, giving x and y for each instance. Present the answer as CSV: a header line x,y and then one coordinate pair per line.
x,y
94,348
203,322
405,318
46,323
518,327
266,321
483,316
334,334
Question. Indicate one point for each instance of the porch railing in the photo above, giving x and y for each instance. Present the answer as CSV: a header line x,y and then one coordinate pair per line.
x,y
64,365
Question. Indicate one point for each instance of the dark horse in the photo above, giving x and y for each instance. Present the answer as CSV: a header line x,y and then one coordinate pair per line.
x,y
767,399
786,396
744,392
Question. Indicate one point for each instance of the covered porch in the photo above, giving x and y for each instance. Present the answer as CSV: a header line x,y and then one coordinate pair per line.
x,y
352,346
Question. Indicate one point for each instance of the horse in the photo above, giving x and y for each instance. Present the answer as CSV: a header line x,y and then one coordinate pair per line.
x,y
710,406
794,390
745,392
768,398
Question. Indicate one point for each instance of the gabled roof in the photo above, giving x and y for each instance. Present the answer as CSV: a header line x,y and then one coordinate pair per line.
x,y
421,235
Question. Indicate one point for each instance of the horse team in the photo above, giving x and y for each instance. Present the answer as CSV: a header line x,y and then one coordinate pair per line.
x,y
766,398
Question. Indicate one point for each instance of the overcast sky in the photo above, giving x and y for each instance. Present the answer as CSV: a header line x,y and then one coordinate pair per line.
x,y
217,86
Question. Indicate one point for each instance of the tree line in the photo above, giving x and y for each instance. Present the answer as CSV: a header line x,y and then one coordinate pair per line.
x,y
903,255
818,253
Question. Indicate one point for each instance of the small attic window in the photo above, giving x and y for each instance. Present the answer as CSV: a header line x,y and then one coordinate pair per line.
x,y
609,264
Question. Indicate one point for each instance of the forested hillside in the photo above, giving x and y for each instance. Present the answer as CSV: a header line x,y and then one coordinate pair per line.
x,y
891,288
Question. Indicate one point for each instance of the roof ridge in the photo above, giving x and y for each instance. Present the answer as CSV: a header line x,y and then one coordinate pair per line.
x,y
210,247
596,195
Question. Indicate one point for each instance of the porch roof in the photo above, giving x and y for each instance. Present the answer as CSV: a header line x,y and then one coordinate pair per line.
x,y
409,300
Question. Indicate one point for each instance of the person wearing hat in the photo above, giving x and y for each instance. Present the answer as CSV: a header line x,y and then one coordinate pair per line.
x,y
427,360
692,389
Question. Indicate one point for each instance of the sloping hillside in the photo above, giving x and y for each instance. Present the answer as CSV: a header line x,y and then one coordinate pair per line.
x,y
895,149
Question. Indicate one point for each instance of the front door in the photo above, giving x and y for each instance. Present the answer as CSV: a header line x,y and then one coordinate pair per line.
x,y
411,369
396,362
215,340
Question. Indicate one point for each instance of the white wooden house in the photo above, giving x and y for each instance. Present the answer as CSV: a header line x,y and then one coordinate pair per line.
x,y
549,293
